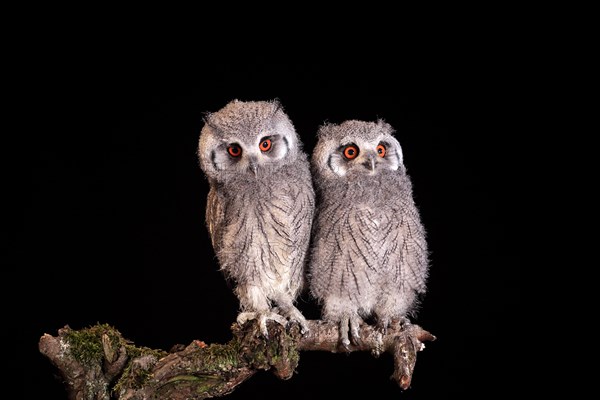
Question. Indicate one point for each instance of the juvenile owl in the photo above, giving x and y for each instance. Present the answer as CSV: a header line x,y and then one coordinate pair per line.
x,y
260,207
369,256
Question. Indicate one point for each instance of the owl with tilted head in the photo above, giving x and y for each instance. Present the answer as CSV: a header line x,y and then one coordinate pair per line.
x,y
259,208
369,260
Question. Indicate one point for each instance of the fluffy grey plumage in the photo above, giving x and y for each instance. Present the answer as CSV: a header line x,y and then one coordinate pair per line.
x,y
260,206
369,254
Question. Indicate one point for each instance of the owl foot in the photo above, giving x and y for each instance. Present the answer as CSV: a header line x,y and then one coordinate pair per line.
x,y
402,322
350,331
262,318
383,324
294,315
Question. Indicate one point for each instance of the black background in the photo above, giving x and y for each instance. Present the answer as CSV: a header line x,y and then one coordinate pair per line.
x,y
110,203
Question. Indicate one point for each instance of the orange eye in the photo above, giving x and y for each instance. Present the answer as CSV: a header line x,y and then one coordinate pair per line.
x,y
234,150
381,150
350,151
265,145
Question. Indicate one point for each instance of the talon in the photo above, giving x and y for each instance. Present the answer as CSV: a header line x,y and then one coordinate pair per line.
x,y
346,344
303,325
294,315
244,317
277,318
262,318
355,329
382,325
304,329
344,330
262,322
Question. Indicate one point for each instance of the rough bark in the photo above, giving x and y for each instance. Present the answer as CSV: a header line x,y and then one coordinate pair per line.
x,y
98,363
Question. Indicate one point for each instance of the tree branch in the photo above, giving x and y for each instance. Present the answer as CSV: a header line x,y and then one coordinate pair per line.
x,y
98,363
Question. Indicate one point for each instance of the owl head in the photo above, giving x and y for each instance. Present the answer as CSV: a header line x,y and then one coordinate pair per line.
x,y
247,138
356,148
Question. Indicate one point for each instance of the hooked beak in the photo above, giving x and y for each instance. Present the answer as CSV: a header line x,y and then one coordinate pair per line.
x,y
254,165
369,163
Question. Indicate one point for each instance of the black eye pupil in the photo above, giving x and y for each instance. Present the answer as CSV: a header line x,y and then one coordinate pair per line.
x,y
351,152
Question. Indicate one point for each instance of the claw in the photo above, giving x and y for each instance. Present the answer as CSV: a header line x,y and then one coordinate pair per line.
x,y
355,329
344,328
349,326
404,322
294,315
262,318
382,325
262,323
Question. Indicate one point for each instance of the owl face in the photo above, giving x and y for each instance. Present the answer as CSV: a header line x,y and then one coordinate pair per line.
x,y
356,149
247,138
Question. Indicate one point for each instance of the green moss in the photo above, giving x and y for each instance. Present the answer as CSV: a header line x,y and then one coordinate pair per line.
x,y
206,367
205,386
218,357
138,377
203,368
133,379
135,352
278,352
202,383
86,344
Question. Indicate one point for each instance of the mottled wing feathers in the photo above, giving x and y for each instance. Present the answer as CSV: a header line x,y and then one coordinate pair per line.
x,y
410,252
214,218
344,258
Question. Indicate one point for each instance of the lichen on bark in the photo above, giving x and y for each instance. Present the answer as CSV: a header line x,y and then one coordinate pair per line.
x,y
98,363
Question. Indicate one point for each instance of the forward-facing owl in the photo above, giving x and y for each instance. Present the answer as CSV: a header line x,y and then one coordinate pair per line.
x,y
369,257
260,207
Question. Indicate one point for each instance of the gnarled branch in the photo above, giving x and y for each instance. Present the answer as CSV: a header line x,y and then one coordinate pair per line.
x,y
98,363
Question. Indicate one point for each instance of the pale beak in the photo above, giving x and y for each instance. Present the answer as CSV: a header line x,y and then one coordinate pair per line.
x,y
370,163
254,165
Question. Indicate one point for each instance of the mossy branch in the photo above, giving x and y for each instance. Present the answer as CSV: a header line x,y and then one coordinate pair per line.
x,y
98,363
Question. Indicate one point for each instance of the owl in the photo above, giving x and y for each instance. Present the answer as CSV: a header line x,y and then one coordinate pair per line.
x,y
369,259
259,208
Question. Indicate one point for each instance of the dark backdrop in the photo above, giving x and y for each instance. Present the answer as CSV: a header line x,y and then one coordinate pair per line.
x,y
110,206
